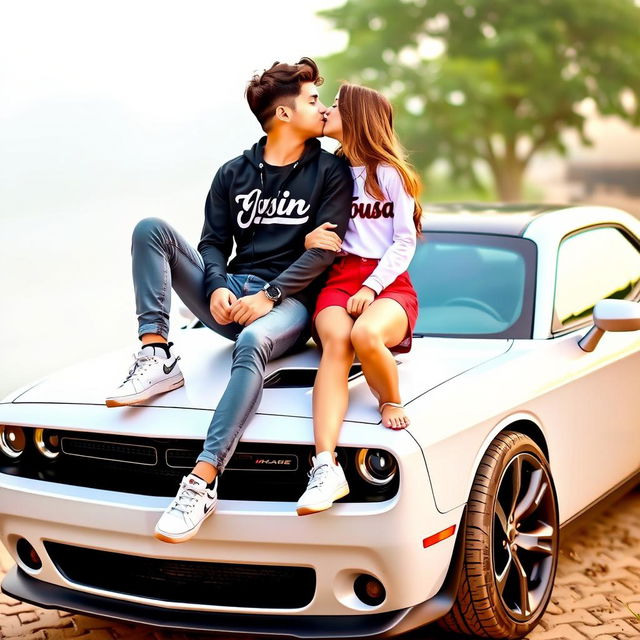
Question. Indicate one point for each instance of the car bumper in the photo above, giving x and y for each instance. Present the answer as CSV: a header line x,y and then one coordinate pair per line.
x,y
384,540
21,586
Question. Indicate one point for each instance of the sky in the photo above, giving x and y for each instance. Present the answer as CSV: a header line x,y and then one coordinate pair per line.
x,y
164,61
111,112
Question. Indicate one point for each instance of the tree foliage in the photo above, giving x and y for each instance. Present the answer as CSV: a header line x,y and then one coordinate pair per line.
x,y
491,80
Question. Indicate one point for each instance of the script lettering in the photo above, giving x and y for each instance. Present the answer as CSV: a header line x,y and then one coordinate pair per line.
x,y
279,210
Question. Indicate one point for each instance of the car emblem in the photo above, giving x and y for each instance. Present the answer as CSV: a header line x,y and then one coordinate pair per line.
x,y
263,462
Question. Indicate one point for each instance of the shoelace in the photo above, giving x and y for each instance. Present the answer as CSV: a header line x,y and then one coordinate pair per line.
x,y
185,500
139,365
317,476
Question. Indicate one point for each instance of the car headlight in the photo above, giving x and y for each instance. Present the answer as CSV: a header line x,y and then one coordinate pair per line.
x,y
47,443
12,441
376,466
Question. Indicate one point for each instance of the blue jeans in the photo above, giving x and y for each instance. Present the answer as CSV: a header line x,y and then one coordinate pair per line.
x,y
162,259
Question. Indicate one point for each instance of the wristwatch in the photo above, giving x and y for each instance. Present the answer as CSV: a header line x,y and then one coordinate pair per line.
x,y
273,293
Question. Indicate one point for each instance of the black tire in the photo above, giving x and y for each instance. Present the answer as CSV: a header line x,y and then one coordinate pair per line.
x,y
509,564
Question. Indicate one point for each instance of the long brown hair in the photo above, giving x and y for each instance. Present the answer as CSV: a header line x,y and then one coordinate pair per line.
x,y
368,139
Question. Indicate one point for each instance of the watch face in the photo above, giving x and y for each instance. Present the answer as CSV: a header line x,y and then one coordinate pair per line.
x,y
273,293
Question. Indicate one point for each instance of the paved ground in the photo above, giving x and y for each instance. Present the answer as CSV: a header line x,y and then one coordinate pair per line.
x,y
598,573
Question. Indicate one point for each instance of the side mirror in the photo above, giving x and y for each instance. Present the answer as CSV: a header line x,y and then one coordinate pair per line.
x,y
611,315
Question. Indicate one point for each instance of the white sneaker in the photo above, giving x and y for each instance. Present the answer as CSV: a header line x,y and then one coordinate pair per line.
x,y
183,517
326,484
152,373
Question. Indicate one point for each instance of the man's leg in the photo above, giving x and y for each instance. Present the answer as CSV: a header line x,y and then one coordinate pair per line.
x,y
162,259
265,339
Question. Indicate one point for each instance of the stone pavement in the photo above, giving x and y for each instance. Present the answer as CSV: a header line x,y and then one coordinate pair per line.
x,y
598,575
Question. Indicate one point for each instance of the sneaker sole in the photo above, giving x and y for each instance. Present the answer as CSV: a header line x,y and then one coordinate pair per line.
x,y
165,537
163,386
322,506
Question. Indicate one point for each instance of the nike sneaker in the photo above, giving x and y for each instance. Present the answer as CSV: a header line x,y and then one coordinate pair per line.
x,y
327,483
194,502
154,370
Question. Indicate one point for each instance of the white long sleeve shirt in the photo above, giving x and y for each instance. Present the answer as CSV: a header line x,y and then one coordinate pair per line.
x,y
381,229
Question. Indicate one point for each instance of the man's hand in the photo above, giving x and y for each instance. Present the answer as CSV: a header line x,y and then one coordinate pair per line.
x,y
357,303
220,305
247,309
322,238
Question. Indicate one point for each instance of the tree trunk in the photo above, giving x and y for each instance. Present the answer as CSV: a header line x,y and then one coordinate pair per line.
x,y
508,172
509,180
507,169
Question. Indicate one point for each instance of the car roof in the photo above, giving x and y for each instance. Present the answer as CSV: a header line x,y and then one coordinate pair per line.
x,y
491,218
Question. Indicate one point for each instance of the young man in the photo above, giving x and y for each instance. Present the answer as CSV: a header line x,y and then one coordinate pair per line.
x,y
264,201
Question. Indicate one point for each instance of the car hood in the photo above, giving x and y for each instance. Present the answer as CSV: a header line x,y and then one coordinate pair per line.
x,y
206,361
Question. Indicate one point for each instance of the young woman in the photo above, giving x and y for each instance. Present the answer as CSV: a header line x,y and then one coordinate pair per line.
x,y
368,307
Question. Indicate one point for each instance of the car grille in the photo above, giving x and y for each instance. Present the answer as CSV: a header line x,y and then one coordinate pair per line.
x,y
203,583
107,450
154,467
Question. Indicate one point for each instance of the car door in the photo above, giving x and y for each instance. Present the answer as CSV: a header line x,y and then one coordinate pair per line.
x,y
597,413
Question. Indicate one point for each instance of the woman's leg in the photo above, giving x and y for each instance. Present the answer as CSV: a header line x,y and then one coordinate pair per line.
x,y
327,482
382,325
331,391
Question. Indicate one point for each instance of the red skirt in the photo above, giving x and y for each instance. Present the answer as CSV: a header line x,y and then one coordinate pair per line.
x,y
345,279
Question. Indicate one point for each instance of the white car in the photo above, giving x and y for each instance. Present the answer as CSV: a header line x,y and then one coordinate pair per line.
x,y
524,414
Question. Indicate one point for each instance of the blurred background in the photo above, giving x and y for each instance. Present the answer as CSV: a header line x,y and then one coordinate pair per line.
x,y
111,112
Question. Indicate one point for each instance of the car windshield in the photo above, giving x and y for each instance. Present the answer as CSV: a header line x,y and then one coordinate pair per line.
x,y
474,285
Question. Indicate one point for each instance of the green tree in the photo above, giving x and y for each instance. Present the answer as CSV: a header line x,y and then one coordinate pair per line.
x,y
492,81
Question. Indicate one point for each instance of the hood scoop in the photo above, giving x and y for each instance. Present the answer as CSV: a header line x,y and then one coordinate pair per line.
x,y
300,377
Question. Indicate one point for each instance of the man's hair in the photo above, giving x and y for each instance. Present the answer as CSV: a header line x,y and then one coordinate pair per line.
x,y
280,84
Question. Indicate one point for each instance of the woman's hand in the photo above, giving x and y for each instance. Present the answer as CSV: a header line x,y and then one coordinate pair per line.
x,y
322,238
357,303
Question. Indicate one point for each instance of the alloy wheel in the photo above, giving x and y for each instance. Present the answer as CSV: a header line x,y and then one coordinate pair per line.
x,y
525,537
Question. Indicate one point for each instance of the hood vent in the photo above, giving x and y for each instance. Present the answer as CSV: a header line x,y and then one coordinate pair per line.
x,y
300,378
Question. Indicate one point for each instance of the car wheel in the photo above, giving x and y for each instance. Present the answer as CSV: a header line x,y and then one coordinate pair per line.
x,y
511,546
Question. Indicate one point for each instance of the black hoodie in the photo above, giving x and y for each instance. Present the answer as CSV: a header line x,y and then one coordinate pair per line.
x,y
267,215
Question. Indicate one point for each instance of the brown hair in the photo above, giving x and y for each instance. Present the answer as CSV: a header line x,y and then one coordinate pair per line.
x,y
368,139
279,84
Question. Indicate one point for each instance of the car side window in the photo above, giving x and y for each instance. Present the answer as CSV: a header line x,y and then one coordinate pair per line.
x,y
593,265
